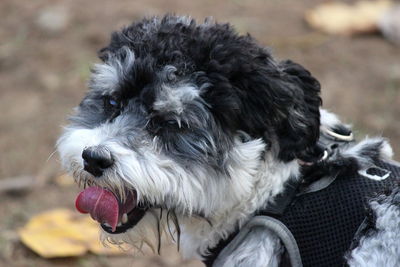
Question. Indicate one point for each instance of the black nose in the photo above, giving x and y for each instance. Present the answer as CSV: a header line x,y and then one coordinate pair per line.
x,y
96,160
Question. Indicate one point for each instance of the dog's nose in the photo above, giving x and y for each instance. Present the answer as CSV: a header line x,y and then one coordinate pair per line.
x,y
96,160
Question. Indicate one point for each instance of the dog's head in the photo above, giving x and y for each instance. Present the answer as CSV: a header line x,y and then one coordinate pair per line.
x,y
180,117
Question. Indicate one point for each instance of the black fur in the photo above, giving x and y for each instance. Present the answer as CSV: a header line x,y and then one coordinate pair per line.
x,y
243,89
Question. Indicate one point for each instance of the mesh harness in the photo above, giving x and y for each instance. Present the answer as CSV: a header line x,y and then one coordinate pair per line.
x,y
317,225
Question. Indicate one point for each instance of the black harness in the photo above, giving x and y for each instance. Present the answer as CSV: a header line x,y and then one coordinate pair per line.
x,y
317,223
325,222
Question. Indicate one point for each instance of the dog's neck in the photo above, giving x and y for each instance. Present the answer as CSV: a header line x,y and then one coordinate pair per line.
x,y
199,235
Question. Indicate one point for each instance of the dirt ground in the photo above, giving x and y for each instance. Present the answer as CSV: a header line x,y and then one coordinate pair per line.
x,y
47,48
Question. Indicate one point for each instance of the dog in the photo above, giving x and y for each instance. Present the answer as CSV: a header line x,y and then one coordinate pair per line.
x,y
197,133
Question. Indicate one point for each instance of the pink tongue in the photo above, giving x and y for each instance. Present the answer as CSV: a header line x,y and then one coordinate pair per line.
x,y
100,203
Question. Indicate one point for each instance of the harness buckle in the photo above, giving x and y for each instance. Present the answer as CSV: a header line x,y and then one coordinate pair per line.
x,y
341,137
375,173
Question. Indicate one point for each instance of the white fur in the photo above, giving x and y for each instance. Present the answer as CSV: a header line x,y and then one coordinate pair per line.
x,y
355,151
382,247
260,248
106,77
329,120
173,99
198,235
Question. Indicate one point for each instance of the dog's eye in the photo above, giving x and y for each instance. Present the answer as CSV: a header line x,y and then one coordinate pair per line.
x,y
112,107
171,123
110,103
159,124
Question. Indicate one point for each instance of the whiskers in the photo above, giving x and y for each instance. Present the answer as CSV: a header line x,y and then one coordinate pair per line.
x,y
51,155
171,215
173,230
149,232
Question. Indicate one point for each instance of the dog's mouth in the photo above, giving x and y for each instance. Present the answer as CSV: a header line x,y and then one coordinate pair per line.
x,y
114,215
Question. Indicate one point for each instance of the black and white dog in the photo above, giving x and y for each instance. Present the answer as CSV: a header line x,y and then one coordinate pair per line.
x,y
197,132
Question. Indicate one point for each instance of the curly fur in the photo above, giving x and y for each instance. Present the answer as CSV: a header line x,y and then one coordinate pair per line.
x,y
380,245
204,125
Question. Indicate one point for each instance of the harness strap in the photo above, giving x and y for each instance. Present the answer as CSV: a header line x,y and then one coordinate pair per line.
x,y
272,225
283,199
318,185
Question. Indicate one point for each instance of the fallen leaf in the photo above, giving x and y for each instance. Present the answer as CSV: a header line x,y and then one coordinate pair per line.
x,y
344,19
63,233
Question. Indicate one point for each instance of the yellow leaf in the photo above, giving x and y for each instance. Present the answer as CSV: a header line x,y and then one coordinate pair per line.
x,y
345,19
63,233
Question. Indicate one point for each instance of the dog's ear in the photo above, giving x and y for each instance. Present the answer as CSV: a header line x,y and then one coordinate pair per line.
x,y
276,101
251,92
298,133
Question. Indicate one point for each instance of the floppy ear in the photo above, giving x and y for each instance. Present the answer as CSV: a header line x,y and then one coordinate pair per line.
x,y
253,93
278,102
298,133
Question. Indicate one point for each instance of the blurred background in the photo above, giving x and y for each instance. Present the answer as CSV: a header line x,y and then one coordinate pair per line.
x,y
48,46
